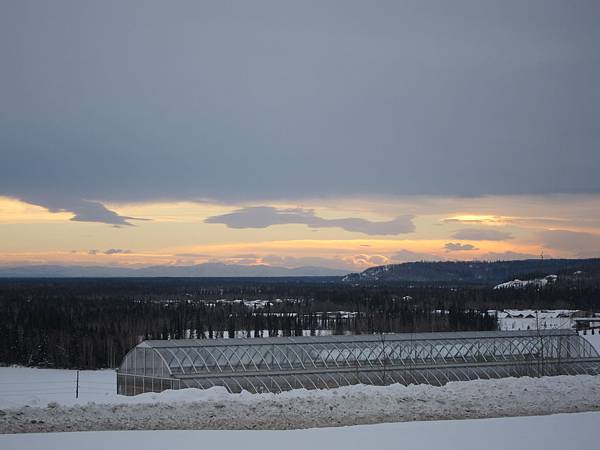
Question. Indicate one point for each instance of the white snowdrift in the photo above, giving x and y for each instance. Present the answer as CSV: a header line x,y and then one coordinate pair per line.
x,y
350,405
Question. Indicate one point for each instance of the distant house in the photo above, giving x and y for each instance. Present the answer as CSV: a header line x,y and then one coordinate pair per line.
x,y
528,319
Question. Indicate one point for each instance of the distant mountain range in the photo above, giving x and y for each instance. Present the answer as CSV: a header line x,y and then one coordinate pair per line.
x,y
199,270
475,272
445,272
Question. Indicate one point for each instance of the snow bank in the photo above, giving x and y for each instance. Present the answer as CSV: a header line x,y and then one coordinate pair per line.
x,y
349,405
558,432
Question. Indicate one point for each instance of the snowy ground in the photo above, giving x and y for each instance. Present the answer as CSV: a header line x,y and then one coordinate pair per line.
x,y
44,400
558,432
21,386
524,323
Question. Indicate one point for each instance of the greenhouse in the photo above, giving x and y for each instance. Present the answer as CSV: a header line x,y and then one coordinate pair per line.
x,y
277,364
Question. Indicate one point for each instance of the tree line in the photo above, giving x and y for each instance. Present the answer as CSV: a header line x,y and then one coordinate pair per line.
x,y
92,323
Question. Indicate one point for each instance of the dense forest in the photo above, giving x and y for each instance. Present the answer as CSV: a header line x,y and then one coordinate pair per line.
x,y
92,323
479,272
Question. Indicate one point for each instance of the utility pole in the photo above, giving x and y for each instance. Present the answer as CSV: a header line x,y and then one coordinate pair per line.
x,y
77,385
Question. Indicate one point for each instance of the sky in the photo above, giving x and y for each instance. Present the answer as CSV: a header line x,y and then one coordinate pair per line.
x,y
343,134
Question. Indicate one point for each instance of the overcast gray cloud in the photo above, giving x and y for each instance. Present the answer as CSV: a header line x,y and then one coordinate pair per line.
x,y
265,216
457,247
482,234
145,100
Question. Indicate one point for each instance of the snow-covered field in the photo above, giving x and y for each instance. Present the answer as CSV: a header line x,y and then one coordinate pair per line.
x,y
525,323
529,319
21,386
557,432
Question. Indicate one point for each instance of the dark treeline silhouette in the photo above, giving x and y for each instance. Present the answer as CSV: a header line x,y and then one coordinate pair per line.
x,y
92,323
479,272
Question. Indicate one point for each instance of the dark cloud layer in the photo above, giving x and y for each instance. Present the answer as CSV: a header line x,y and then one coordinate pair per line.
x,y
482,234
137,101
110,251
83,210
117,251
265,216
457,247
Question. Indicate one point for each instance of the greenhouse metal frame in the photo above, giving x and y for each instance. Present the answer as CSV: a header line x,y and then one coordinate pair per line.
x,y
277,364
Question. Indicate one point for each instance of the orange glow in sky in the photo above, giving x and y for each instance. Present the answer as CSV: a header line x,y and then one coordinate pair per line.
x,y
177,233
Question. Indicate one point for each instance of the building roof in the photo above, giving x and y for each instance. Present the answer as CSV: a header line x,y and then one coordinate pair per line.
x,y
388,337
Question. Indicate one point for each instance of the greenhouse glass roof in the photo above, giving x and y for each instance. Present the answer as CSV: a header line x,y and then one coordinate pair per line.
x,y
205,360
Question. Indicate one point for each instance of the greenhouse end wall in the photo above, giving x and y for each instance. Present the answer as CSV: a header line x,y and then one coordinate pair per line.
x,y
278,364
